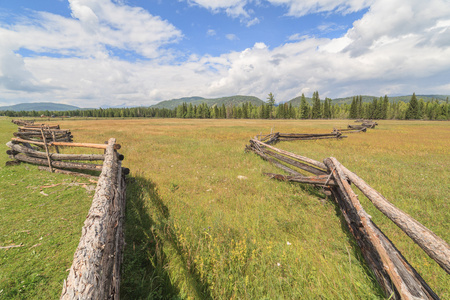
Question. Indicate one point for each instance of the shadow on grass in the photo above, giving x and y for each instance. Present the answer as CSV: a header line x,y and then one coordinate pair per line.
x,y
147,233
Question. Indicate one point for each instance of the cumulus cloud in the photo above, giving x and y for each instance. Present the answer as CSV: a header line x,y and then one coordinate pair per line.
x,y
234,8
95,26
237,8
398,46
300,8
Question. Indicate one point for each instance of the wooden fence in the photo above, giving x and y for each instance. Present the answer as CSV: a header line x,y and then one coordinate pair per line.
x,y
397,278
95,271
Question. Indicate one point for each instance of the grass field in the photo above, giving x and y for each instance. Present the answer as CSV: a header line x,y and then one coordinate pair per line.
x,y
194,230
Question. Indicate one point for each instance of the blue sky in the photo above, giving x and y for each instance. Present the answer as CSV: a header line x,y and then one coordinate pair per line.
x,y
94,53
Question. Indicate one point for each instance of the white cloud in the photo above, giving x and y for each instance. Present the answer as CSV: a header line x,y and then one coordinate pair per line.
x,y
252,22
98,25
232,37
304,7
398,46
298,37
211,32
234,8
237,8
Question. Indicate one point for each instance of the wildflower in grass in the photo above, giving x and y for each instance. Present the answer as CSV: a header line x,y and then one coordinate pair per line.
x,y
288,243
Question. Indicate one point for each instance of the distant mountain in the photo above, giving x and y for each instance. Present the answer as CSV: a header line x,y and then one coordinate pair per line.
x,y
232,100
348,100
440,98
297,100
123,105
39,106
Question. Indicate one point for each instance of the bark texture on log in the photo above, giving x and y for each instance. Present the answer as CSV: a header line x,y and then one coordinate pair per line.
x,y
295,163
58,164
395,275
433,245
95,271
54,156
86,145
258,150
320,180
298,157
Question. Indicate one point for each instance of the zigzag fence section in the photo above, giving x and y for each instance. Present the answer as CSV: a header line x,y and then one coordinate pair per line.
x,y
95,270
397,278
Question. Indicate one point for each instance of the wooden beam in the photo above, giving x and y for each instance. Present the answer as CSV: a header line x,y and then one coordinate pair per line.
x,y
58,164
95,271
68,144
299,157
55,156
395,275
433,245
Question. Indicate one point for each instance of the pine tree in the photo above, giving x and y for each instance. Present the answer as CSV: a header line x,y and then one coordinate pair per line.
x,y
291,111
271,103
189,111
223,112
316,109
385,107
304,108
359,107
413,108
327,108
353,109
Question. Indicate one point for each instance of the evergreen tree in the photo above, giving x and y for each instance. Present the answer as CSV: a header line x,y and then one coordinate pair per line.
x,y
245,110
216,112
223,111
316,109
413,108
304,108
270,103
190,111
353,109
291,111
327,108
385,107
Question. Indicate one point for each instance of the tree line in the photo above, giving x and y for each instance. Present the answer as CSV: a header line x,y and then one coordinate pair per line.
x,y
379,108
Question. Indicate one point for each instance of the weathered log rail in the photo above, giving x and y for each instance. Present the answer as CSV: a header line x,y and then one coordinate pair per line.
x,y
95,271
397,278
349,130
366,123
22,122
45,138
276,137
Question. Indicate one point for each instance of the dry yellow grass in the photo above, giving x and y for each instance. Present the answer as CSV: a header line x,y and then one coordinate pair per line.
x,y
213,235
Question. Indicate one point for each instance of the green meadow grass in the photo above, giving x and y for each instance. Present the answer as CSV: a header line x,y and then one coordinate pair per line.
x,y
194,230
43,213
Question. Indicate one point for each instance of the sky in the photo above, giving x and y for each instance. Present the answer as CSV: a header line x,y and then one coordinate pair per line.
x,y
93,53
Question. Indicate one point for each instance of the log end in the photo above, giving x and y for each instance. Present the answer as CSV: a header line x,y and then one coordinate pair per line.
x,y
125,171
